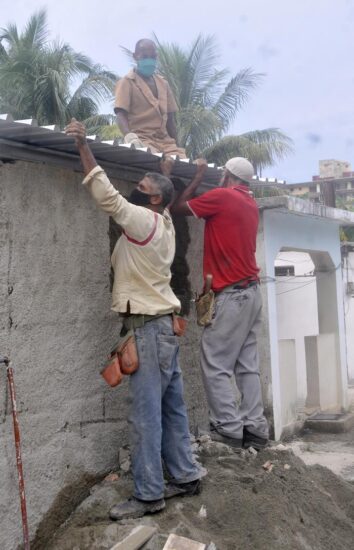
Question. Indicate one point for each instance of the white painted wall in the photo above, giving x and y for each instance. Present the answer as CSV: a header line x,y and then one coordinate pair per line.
x,y
305,298
297,314
283,230
288,381
348,299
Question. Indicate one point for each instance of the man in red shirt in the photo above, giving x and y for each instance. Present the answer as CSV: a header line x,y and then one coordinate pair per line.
x,y
229,343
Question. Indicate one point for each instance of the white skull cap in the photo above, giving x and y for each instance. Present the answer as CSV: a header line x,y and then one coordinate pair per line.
x,y
241,168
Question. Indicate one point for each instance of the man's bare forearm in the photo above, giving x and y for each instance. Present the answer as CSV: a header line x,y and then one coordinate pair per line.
x,y
190,190
77,130
122,121
87,159
171,126
179,205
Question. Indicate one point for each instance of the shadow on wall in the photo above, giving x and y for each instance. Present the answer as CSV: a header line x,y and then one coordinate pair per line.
x,y
180,270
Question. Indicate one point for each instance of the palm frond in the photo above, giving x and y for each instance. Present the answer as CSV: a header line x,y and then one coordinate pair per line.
x,y
99,85
103,125
3,53
202,61
262,148
275,144
10,35
128,53
95,121
36,30
50,98
197,129
235,95
226,148
174,68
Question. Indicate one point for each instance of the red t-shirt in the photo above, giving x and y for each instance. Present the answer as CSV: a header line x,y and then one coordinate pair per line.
x,y
231,216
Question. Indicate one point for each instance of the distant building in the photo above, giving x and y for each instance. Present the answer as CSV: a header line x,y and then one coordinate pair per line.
x,y
338,174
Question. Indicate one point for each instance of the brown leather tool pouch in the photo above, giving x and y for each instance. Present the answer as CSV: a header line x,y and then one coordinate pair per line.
x,y
111,372
179,325
128,354
205,304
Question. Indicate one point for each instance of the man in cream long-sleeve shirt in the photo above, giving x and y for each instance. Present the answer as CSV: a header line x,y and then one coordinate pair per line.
x,y
141,261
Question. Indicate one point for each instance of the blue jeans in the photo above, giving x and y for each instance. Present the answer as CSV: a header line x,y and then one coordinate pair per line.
x,y
158,418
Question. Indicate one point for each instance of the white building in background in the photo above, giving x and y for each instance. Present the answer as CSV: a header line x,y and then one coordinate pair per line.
x,y
348,298
302,343
297,318
296,290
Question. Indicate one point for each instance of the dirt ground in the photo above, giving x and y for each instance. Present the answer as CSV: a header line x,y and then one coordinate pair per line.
x,y
289,506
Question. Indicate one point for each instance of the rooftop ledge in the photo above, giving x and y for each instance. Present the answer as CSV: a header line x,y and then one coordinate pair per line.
x,y
302,207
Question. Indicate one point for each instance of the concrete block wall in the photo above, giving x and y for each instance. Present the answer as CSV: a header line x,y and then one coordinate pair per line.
x,y
56,326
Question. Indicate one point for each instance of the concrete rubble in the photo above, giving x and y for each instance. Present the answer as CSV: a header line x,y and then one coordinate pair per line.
x,y
242,505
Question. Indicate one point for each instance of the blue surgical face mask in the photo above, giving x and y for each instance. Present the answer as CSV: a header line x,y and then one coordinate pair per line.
x,y
147,66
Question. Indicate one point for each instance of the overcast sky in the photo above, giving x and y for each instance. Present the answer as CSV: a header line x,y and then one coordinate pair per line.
x,y
305,47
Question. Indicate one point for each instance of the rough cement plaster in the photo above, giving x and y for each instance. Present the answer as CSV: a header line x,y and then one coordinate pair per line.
x,y
56,326
196,403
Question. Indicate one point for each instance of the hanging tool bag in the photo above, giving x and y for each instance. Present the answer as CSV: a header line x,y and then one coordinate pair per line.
x,y
123,359
205,303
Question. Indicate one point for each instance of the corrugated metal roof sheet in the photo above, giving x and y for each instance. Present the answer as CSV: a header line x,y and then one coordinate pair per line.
x,y
28,133
49,144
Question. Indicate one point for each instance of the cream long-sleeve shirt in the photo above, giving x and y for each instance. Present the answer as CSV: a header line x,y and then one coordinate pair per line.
x,y
143,255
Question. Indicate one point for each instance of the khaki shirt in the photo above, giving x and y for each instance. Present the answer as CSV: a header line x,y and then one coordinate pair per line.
x,y
143,255
147,115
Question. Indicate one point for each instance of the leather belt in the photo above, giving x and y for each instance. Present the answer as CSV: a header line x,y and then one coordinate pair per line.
x,y
240,285
243,287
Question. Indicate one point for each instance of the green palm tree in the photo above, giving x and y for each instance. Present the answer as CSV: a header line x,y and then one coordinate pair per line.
x,y
37,76
209,101
262,147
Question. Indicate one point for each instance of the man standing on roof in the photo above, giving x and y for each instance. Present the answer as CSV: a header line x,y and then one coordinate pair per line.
x,y
145,106
229,343
142,294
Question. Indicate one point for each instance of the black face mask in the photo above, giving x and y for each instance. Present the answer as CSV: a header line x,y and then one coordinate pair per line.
x,y
139,198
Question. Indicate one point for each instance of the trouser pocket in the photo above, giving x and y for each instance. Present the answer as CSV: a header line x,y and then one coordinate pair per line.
x,y
167,349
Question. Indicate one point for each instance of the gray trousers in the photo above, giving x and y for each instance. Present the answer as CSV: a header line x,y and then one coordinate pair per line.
x,y
229,347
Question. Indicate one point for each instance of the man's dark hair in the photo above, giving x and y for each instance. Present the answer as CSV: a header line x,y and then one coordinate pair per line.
x,y
165,185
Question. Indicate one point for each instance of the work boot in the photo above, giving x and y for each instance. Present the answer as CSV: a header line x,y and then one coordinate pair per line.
x,y
135,508
252,440
183,489
231,441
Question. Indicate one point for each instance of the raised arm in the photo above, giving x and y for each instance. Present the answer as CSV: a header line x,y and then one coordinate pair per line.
x,y
179,206
78,132
103,192
137,221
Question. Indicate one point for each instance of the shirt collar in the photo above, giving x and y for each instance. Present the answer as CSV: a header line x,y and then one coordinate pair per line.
x,y
244,189
131,74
